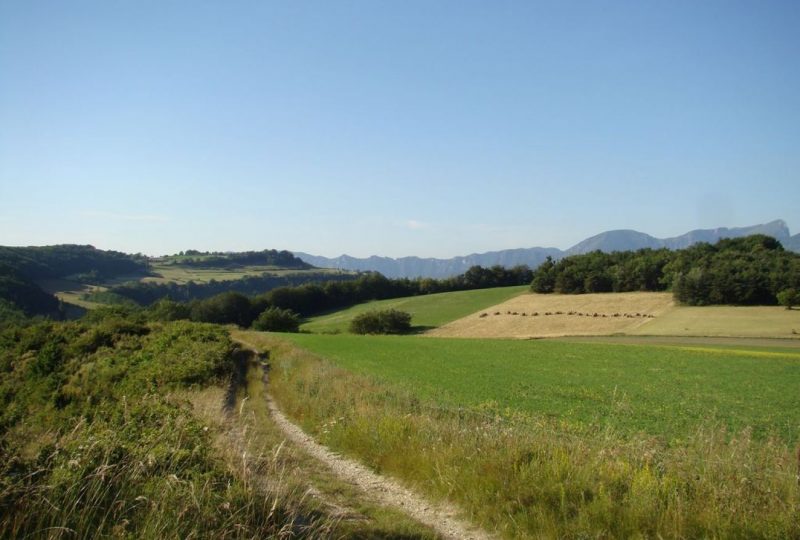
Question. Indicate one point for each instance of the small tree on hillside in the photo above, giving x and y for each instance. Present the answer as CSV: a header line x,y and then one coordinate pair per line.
x,y
390,321
789,298
277,320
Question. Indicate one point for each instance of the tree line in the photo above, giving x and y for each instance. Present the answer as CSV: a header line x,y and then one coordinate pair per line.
x,y
267,257
145,293
751,270
313,298
43,262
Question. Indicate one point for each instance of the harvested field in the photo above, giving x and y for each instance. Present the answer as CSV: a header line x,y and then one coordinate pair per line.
x,y
726,321
552,315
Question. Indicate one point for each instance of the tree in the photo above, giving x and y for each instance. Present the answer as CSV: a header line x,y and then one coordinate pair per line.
x,y
225,308
275,319
544,277
169,310
789,298
390,321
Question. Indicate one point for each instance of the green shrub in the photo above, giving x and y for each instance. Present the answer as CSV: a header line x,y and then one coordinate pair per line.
x,y
93,444
389,321
789,298
277,320
169,310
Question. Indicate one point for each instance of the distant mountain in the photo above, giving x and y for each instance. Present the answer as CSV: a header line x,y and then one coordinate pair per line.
x,y
437,268
619,240
793,243
625,240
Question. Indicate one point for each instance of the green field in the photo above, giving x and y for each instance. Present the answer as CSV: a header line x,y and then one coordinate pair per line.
x,y
665,391
426,311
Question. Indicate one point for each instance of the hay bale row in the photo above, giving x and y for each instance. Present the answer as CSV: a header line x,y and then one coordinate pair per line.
x,y
575,314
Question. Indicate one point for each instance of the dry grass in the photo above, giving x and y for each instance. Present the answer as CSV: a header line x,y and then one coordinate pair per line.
x,y
172,273
256,449
552,315
725,321
71,292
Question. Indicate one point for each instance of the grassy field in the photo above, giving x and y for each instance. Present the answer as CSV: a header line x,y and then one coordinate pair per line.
x,y
80,294
745,321
173,273
638,313
550,315
426,311
540,439
662,391
71,292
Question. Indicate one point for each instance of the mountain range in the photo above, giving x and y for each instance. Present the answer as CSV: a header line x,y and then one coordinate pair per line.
x,y
617,240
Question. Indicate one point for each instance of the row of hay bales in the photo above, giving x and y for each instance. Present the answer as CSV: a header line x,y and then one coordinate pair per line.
x,y
575,314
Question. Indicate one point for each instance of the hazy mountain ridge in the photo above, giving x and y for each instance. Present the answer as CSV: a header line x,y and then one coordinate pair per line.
x,y
616,240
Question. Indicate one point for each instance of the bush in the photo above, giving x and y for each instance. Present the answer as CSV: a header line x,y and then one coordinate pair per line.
x,y
789,298
169,310
390,321
277,320
225,308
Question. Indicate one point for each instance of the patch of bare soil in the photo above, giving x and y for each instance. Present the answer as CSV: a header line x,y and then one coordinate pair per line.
x,y
554,315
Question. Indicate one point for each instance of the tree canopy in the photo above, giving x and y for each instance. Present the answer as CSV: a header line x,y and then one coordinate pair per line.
x,y
743,271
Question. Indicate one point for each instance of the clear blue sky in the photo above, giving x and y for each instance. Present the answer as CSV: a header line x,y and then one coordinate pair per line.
x,y
426,128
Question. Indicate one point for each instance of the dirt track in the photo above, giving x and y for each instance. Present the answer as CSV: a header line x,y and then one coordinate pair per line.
x,y
385,491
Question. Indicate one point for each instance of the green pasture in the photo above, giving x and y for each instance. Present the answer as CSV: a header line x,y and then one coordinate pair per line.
x,y
426,311
664,391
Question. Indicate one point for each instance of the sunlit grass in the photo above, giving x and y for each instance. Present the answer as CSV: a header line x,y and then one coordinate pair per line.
x,y
426,311
530,475
663,391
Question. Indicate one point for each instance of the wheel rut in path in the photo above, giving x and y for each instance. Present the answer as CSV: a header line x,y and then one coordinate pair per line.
x,y
443,518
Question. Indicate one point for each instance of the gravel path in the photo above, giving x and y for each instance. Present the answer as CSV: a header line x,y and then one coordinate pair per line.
x,y
440,517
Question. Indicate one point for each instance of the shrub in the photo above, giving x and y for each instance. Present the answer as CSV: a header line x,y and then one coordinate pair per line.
x,y
169,310
789,298
277,320
225,308
390,321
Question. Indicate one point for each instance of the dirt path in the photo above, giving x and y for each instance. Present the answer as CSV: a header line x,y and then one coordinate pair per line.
x,y
380,489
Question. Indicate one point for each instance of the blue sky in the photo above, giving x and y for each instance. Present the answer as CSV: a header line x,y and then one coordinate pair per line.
x,y
424,128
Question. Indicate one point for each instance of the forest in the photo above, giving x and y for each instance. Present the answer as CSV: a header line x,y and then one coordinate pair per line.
x,y
267,257
751,270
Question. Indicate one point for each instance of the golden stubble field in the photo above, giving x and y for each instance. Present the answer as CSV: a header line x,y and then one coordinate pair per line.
x,y
637,313
551,315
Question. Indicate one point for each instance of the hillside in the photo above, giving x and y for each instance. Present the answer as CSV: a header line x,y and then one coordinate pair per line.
x,y
48,280
426,311
552,315
25,273
631,314
618,240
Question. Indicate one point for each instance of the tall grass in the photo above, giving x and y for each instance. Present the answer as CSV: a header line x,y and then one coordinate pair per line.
x,y
96,482
528,477
94,443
